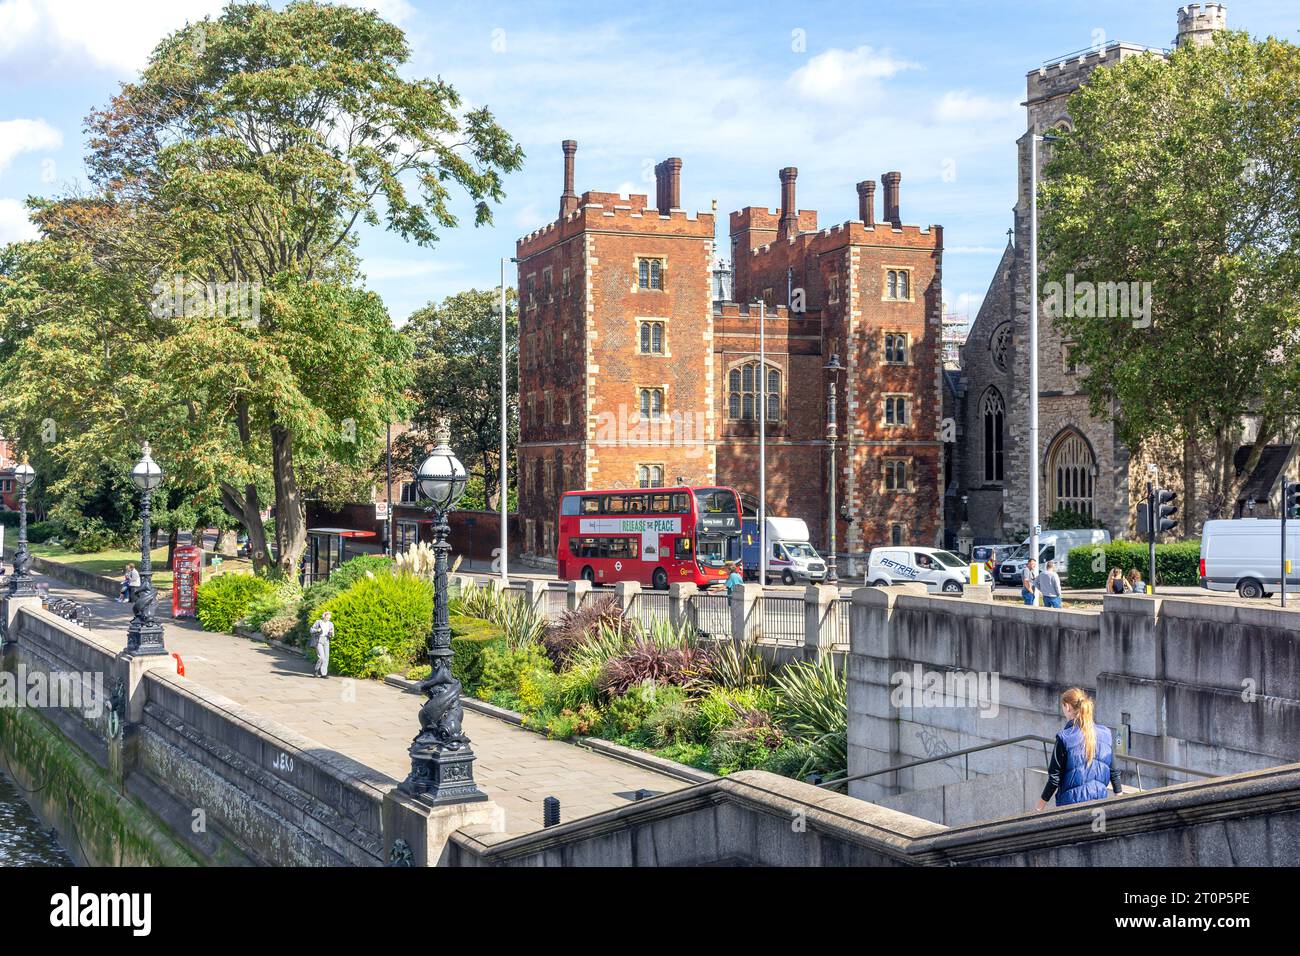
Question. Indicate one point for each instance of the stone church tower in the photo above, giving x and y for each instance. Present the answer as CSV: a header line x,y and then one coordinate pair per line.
x,y
1083,465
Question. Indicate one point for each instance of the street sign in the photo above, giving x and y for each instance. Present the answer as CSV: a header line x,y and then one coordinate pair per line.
x,y
381,510
187,575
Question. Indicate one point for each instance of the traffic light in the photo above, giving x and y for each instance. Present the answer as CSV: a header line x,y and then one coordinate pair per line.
x,y
1144,520
1291,499
1165,511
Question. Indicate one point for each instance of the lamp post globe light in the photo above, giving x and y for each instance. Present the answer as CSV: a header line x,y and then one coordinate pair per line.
x,y
144,635
442,763
21,582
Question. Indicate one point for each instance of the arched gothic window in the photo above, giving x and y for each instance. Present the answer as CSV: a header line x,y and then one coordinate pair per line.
x,y
1071,475
993,413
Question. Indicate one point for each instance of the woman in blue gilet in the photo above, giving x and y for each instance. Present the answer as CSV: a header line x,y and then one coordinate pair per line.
x,y
1082,765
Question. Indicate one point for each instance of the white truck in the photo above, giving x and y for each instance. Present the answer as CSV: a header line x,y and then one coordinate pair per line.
x,y
1052,546
791,556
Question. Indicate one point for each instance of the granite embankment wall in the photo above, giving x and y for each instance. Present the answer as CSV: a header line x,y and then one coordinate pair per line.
x,y
141,766
1211,685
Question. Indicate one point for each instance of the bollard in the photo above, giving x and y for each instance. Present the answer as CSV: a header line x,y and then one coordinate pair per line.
x,y
550,812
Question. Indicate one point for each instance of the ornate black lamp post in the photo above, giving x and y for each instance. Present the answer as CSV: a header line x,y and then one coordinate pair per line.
x,y
144,635
833,368
21,582
442,764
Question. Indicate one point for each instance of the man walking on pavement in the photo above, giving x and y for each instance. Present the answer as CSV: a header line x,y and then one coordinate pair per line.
x,y
1029,583
1049,585
321,632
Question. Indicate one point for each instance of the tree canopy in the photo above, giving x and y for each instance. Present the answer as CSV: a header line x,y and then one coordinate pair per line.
x,y
205,294
1184,172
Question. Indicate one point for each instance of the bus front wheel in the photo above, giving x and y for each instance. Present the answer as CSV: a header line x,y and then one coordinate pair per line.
x,y
588,574
660,579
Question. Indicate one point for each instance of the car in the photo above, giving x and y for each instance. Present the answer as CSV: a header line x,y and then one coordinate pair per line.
x,y
1245,555
940,571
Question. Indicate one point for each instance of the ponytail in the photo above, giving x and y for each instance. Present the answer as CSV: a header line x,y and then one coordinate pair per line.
x,y
1082,705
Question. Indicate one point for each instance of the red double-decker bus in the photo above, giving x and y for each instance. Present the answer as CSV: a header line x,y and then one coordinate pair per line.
x,y
652,535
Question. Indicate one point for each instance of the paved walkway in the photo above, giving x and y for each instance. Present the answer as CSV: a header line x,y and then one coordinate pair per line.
x,y
373,723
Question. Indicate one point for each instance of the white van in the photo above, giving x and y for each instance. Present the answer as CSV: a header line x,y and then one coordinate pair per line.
x,y
792,558
937,570
1245,555
1052,546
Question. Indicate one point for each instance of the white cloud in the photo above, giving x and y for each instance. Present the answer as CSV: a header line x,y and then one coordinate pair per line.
x,y
26,136
962,106
846,74
70,34
63,34
14,224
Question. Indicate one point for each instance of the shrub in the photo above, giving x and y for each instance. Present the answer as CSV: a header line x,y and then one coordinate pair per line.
x,y
625,715
673,718
643,660
748,743
380,623
1177,563
721,706
577,627
470,636
364,565
282,600
579,685
278,627
520,624
812,704
41,531
608,642
511,674
225,598
738,667
568,723
1067,519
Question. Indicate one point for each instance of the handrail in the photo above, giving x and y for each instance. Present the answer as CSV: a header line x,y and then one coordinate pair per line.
x,y
967,751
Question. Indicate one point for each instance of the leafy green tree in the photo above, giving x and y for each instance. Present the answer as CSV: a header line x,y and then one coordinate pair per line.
x,y
457,375
249,150
1185,173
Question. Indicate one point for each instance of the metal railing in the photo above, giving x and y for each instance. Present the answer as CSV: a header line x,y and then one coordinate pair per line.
x,y
838,615
80,614
783,619
649,605
557,603
1138,762
711,615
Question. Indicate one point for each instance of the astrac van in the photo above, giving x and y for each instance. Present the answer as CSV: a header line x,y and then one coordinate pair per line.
x,y
938,570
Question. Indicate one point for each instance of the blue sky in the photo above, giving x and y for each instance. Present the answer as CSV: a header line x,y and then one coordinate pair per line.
x,y
844,91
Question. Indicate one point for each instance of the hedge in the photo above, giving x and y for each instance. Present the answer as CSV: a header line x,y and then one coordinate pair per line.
x,y
1177,564
470,636
380,623
226,598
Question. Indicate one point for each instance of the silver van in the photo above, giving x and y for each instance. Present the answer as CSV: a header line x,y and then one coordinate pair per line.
x,y
1245,555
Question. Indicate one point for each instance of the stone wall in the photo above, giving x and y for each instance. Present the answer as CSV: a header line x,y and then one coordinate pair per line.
x,y
151,768
1213,686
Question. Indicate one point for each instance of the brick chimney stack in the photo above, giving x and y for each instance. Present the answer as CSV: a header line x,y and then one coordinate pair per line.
x,y
668,185
568,198
789,225
867,201
891,181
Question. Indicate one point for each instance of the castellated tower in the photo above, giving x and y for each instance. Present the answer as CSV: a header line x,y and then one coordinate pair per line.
x,y
1197,23
1082,463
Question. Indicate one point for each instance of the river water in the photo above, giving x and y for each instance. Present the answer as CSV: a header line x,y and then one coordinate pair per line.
x,y
24,840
